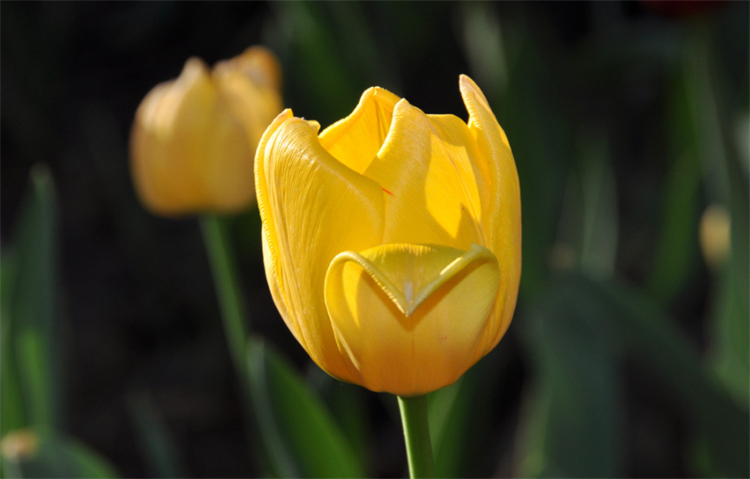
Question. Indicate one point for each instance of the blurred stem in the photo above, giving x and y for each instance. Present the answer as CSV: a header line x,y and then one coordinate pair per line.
x,y
417,436
233,310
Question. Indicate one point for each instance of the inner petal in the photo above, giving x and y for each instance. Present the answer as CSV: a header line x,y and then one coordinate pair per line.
x,y
356,139
427,167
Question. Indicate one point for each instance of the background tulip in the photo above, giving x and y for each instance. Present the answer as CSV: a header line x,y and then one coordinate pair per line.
x,y
392,240
194,138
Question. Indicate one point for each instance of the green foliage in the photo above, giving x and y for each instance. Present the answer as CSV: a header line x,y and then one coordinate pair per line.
x,y
300,436
156,442
56,456
572,421
32,395
31,366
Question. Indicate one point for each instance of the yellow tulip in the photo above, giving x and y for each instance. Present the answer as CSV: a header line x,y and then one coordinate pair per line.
x,y
194,138
392,241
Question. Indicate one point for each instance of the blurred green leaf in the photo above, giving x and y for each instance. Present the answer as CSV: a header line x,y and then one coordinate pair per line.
x,y
349,405
50,455
600,220
726,179
301,437
571,426
731,351
154,438
317,79
12,412
677,248
651,338
30,313
450,419
577,336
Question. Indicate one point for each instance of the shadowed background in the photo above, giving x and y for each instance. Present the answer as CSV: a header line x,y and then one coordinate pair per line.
x,y
628,354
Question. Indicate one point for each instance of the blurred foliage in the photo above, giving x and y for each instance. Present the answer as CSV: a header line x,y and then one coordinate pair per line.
x,y
301,437
33,441
628,355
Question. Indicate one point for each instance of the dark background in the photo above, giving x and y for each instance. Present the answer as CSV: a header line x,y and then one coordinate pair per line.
x,y
583,90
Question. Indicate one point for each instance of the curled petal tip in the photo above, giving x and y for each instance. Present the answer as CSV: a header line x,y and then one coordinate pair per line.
x,y
286,113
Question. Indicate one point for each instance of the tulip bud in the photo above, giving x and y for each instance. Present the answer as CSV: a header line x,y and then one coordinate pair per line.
x,y
392,240
194,138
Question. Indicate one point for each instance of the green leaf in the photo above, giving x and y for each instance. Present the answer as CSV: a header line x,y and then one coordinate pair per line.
x,y
677,248
349,404
12,412
32,297
731,349
449,409
154,439
49,455
571,426
653,339
301,437
316,76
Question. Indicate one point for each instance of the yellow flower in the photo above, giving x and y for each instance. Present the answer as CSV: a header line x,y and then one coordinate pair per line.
x,y
392,241
194,138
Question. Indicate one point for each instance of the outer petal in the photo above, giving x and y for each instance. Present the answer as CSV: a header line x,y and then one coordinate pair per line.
x,y
312,207
502,212
410,317
425,167
356,139
188,153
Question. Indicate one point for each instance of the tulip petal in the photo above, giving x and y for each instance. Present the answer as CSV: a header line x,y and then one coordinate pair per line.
x,y
312,207
502,218
356,139
410,316
425,167
249,86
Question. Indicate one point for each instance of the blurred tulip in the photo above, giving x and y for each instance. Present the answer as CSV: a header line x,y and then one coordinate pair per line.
x,y
194,138
715,235
392,241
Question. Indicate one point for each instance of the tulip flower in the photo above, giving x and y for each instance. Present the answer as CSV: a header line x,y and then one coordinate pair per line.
x,y
194,138
392,240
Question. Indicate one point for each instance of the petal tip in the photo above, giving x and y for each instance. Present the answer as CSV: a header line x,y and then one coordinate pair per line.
x,y
469,86
403,105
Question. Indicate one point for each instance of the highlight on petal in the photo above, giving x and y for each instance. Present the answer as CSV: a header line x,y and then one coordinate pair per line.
x,y
426,166
410,317
502,211
312,207
356,139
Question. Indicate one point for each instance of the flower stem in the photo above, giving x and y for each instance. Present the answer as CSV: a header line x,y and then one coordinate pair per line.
x,y
417,436
233,311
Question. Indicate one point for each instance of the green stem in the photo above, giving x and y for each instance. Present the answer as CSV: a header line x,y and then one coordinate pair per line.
x,y
233,311
417,436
